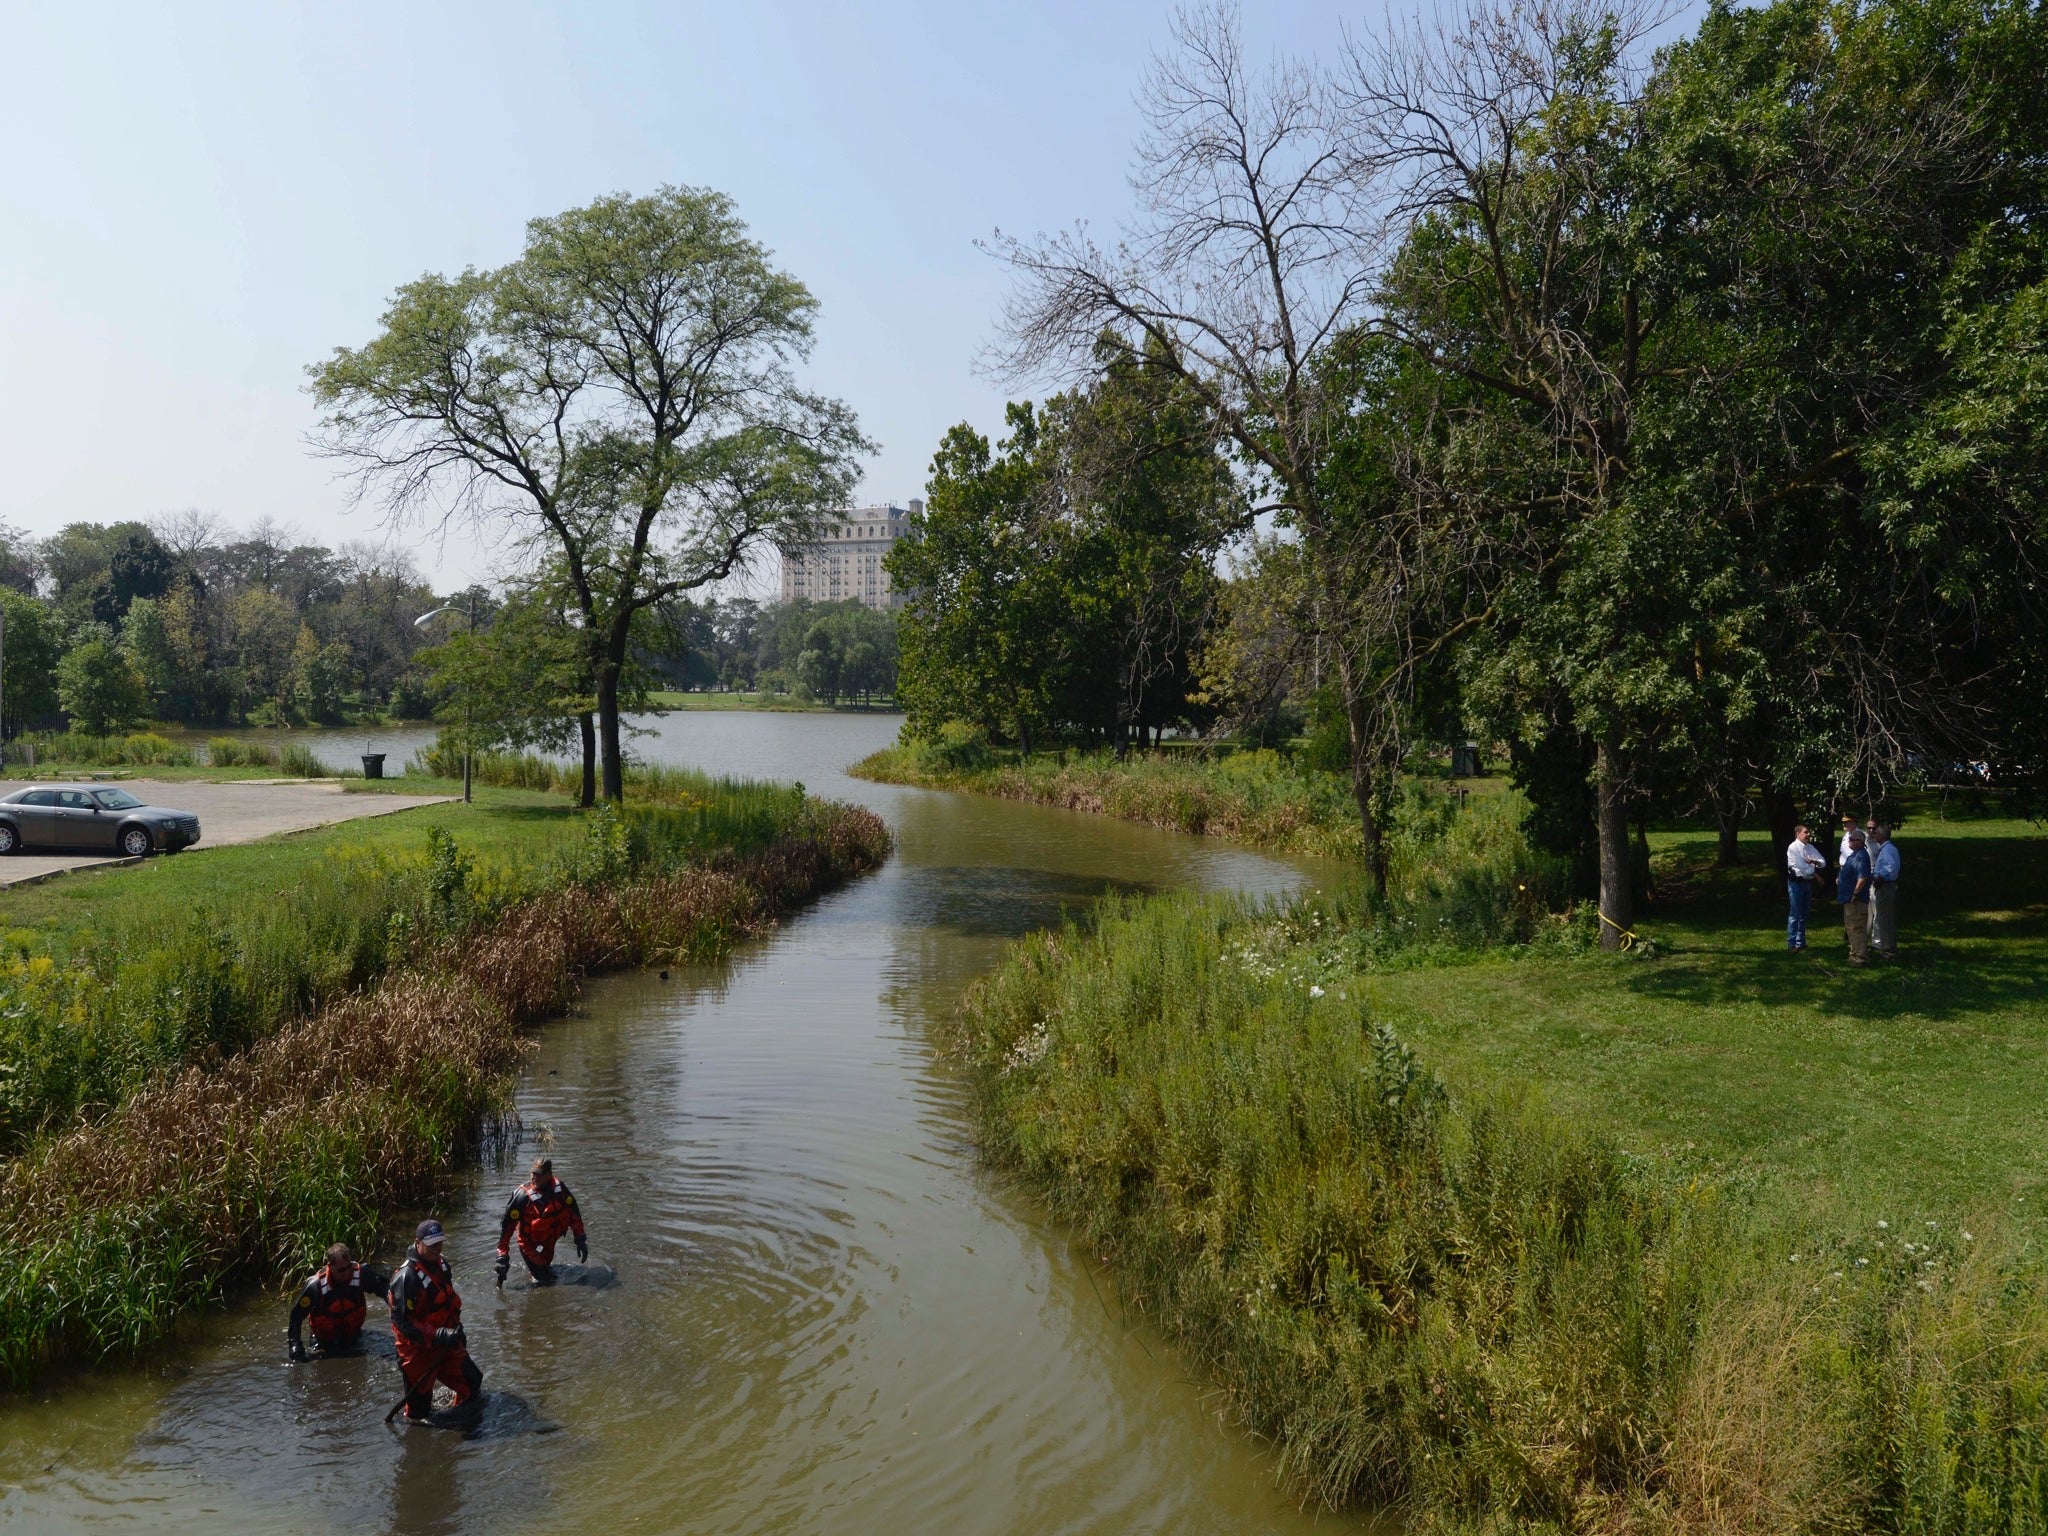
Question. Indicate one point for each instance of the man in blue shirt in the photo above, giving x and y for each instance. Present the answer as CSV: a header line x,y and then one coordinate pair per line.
x,y
1884,895
1852,889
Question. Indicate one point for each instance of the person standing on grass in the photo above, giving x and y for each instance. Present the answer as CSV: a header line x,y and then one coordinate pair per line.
x,y
426,1325
1884,895
1852,889
1848,831
1804,865
333,1300
541,1210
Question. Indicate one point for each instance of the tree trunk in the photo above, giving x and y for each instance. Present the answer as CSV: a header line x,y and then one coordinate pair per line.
x,y
1617,892
1730,822
1370,838
614,788
1365,772
588,795
1783,818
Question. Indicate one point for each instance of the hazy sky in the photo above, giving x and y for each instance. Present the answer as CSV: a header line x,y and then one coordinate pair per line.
x,y
201,199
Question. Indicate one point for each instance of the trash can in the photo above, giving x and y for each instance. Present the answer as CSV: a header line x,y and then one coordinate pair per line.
x,y
1464,761
373,765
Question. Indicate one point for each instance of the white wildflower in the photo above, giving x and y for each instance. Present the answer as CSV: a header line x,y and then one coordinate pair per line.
x,y
1029,1049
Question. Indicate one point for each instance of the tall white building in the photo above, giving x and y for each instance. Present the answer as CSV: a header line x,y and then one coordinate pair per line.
x,y
846,559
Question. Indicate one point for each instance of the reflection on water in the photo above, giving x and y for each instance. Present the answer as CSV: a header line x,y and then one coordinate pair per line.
x,y
827,1316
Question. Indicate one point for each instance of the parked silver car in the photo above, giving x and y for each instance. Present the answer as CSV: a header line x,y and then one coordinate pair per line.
x,y
91,818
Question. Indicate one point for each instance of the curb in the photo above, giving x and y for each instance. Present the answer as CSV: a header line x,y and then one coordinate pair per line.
x,y
76,869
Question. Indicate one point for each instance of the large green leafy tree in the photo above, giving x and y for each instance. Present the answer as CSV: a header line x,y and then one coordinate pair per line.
x,y
1854,194
1062,582
980,634
1136,503
1685,325
27,675
99,687
622,397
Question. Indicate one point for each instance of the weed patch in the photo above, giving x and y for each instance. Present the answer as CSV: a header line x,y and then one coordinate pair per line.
x,y
1465,1307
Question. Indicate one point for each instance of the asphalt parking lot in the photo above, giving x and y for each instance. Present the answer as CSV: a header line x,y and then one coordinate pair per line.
x,y
228,813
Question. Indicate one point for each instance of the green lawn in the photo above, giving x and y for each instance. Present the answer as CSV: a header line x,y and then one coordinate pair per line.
x,y
1912,1091
503,827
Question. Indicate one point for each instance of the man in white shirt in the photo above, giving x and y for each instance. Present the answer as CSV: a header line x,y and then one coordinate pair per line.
x,y
1804,865
1848,831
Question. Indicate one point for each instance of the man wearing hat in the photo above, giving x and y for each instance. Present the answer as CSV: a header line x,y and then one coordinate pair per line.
x,y
1852,890
426,1325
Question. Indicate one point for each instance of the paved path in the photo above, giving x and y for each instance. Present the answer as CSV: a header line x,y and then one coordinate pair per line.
x,y
228,813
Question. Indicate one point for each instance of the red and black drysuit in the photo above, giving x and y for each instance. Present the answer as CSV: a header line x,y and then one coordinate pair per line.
x,y
426,1325
335,1302
541,1214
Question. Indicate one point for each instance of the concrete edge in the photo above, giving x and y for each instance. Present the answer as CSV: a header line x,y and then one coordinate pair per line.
x,y
75,869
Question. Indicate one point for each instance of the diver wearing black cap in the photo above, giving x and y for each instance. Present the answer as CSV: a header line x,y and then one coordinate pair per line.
x,y
426,1325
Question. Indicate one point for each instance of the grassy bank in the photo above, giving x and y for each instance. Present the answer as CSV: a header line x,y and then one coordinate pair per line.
x,y
785,702
1715,1239
1259,798
205,1089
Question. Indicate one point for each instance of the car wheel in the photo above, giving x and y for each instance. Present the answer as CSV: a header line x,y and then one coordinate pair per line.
x,y
135,842
10,840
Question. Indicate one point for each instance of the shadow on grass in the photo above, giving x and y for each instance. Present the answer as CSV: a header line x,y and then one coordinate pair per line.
x,y
1930,980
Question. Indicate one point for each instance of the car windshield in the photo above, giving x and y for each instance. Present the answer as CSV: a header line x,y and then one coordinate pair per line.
x,y
115,799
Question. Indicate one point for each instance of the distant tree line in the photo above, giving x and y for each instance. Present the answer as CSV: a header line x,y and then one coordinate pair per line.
x,y
182,619
1679,421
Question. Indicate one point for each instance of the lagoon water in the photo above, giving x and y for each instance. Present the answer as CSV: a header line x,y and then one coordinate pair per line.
x,y
829,1317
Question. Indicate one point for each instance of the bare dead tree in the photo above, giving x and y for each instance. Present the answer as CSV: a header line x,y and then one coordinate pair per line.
x,y
1254,251
1499,125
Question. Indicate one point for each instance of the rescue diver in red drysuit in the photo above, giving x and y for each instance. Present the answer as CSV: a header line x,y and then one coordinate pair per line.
x,y
426,1325
542,1210
333,1301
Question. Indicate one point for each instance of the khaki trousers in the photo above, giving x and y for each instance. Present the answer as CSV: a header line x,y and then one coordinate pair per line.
x,y
1884,918
1856,920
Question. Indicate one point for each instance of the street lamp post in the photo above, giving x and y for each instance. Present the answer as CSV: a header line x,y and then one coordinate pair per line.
x,y
466,721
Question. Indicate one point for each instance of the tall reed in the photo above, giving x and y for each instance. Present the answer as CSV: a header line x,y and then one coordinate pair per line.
x,y
1463,1307
139,749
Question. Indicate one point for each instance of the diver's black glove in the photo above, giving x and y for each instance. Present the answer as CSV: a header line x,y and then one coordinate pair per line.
x,y
295,1352
447,1338
582,1246
504,1268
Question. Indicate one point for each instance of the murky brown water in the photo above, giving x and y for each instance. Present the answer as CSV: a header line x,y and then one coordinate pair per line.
x,y
827,1316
